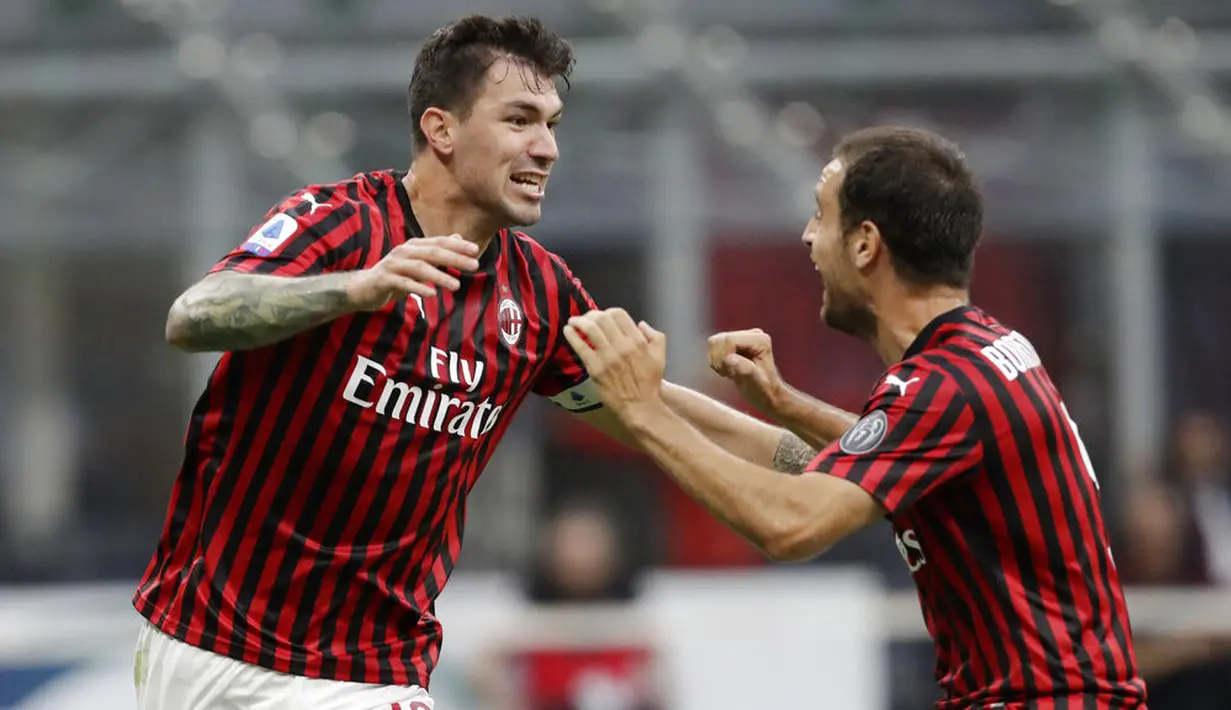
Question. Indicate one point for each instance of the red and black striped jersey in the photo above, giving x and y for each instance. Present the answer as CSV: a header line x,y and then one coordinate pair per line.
x,y
319,508
995,507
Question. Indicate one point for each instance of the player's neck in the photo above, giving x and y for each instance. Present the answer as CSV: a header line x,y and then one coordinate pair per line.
x,y
900,318
442,209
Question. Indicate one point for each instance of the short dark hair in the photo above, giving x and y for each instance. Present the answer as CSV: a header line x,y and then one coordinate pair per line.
x,y
916,187
453,61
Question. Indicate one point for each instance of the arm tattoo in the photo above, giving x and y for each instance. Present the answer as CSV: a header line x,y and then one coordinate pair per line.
x,y
242,311
792,455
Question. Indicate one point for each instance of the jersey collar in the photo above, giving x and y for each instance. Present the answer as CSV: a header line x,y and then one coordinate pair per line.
x,y
931,333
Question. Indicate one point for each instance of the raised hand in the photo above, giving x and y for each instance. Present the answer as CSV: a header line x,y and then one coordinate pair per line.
x,y
416,267
746,357
625,360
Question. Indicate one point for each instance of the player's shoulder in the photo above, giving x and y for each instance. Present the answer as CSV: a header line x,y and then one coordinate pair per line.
x,y
920,380
315,200
316,210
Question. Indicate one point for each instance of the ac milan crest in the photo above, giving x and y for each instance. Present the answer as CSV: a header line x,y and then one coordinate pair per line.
x,y
511,321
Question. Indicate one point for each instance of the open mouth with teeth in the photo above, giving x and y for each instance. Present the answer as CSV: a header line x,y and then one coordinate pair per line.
x,y
530,185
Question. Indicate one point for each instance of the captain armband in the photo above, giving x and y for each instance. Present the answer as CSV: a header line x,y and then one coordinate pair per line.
x,y
580,398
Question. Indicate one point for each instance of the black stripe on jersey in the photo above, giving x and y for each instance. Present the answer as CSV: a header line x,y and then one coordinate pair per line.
x,y
1057,450
992,462
362,238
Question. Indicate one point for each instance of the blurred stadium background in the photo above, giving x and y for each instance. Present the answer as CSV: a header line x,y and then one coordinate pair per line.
x,y
141,139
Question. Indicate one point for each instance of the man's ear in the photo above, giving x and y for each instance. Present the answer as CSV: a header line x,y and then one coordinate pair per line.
x,y
440,129
865,245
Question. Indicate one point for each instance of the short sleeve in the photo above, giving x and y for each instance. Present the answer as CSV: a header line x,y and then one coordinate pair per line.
x,y
312,231
564,379
916,433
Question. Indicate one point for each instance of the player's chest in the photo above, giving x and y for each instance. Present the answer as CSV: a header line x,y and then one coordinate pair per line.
x,y
484,339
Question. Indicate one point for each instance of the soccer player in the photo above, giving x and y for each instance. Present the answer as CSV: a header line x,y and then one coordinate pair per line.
x,y
378,335
965,444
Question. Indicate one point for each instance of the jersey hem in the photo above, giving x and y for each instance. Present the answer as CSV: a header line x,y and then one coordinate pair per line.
x,y
149,612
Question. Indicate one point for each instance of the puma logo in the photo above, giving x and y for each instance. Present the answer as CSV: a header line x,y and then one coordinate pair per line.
x,y
311,199
900,384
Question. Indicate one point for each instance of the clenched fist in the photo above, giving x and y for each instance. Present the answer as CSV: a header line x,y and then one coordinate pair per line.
x,y
746,357
625,360
416,267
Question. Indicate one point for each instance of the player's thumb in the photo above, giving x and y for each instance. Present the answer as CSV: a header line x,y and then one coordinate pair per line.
x,y
738,366
657,341
652,336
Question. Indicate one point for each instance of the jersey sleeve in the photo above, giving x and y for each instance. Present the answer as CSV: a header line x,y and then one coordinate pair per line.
x,y
312,231
564,380
916,433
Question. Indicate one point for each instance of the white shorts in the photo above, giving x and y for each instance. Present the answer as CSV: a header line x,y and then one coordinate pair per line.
x,y
172,675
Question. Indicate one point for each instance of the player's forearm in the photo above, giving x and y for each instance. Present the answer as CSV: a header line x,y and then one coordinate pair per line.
x,y
234,311
746,437
817,423
763,507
